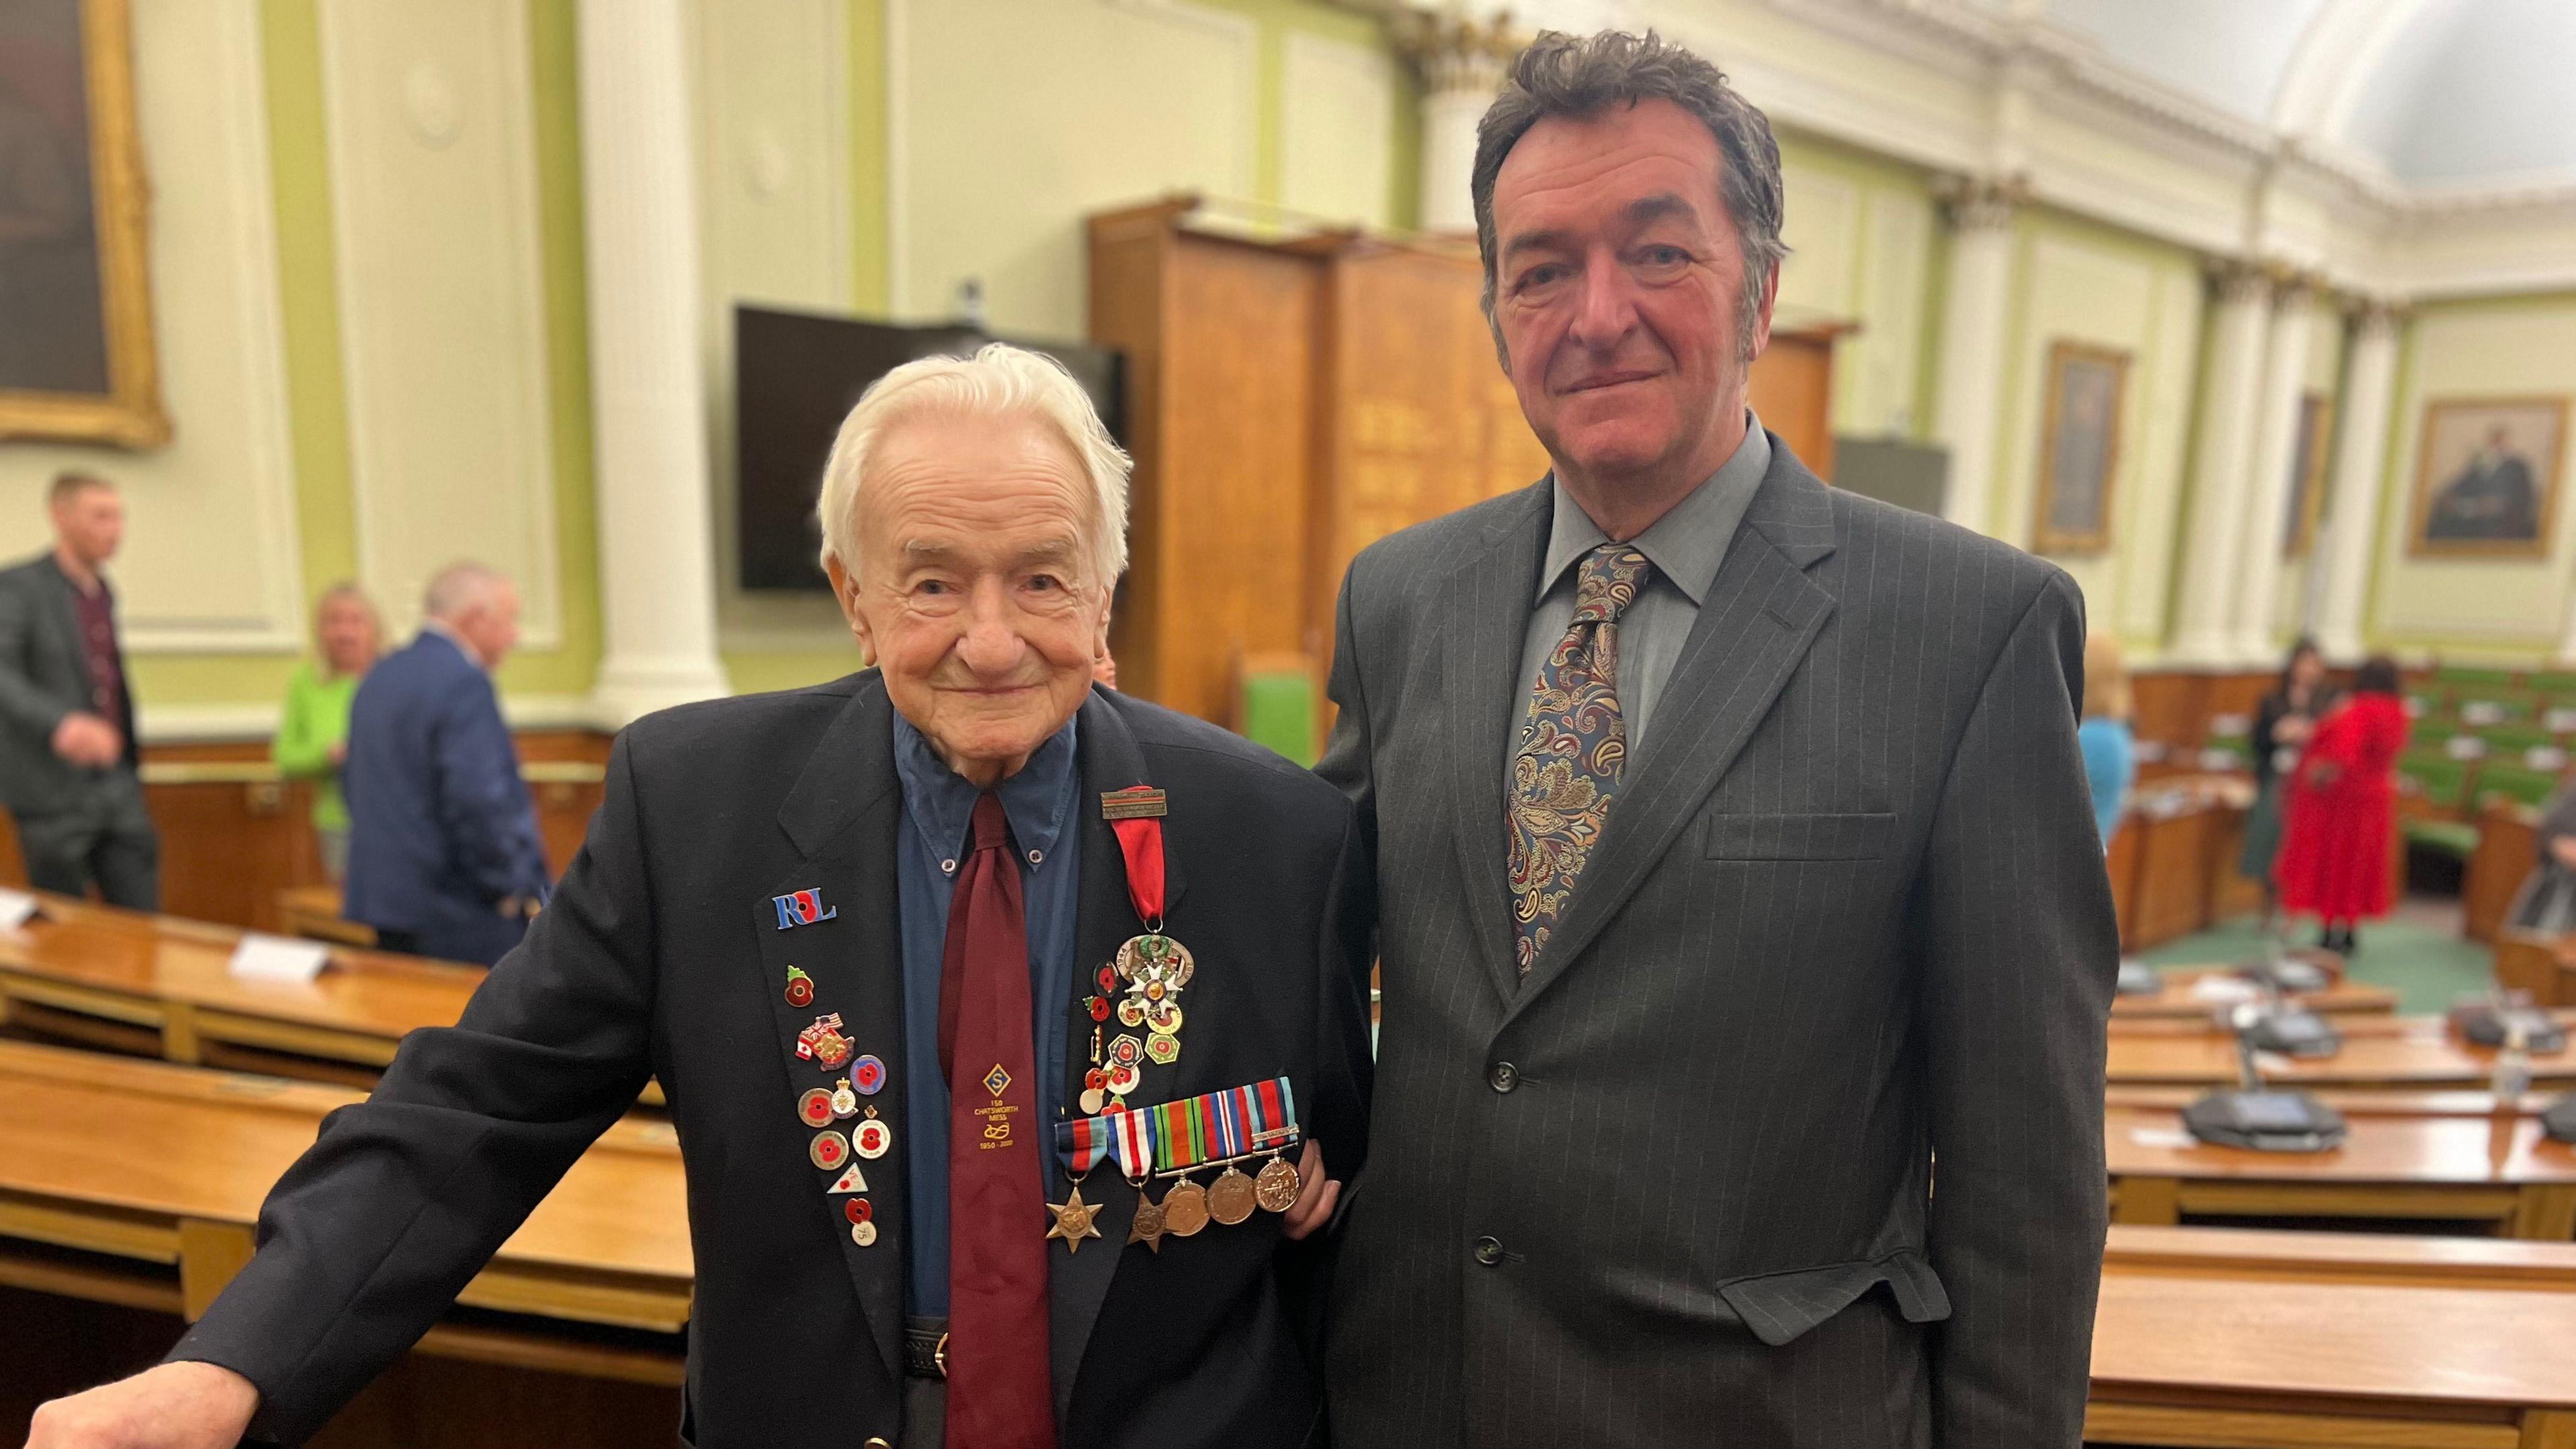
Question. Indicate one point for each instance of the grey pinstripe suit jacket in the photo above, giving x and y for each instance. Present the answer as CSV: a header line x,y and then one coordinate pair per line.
x,y
1849,911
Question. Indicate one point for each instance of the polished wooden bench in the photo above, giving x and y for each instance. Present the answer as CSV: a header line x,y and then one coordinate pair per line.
x,y
2256,1340
2181,1000
164,1224
2433,1156
2398,1052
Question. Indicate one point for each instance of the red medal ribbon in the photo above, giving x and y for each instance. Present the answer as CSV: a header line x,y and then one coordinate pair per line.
x,y
1140,839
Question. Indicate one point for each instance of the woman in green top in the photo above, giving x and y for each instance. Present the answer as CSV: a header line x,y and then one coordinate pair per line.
x,y
313,734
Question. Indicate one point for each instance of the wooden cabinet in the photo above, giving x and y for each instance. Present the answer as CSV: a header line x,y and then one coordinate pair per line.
x,y
1291,400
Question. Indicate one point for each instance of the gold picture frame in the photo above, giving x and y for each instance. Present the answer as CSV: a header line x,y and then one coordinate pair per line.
x,y
2308,475
93,41
2079,442
2486,477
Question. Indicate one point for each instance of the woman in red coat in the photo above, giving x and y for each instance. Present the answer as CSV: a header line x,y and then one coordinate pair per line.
x,y
2334,859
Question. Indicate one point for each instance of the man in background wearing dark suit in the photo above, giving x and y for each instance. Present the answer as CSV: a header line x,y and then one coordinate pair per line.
x,y
67,759
444,857
1737,875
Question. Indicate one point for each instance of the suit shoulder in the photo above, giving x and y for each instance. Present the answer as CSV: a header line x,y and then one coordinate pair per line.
x,y
1238,762
1419,550
1956,555
752,725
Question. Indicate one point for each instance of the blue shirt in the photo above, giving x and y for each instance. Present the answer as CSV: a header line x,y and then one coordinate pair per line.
x,y
2110,767
939,814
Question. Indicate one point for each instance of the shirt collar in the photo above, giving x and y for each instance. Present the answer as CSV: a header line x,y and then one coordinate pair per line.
x,y
1038,800
1685,545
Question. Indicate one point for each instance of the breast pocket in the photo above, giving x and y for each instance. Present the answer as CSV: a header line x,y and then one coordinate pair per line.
x,y
1799,837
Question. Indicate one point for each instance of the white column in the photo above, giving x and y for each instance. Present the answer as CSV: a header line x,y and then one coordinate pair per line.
x,y
2361,462
1460,63
648,396
1968,416
2267,487
2206,619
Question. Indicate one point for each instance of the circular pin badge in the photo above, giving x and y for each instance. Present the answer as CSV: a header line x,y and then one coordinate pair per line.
x,y
1098,1006
845,1103
857,1210
1108,980
1131,1011
815,1108
1165,1050
1123,1079
1165,1017
864,1234
830,1150
1094,1098
1126,1051
800,992
868,1075
873,1139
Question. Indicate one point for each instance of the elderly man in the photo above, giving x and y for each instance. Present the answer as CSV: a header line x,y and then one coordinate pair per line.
x,y
444,858
66,717
1738,875
1001,1019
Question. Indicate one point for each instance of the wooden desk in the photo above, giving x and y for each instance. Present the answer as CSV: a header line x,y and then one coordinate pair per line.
x,y
2177,1002
2508,844
609,1246
2244,1341
2398,1051
2447,1157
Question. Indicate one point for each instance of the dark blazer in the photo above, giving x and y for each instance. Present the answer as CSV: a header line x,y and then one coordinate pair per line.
x,y
441,829
44,675
1848,912
662,956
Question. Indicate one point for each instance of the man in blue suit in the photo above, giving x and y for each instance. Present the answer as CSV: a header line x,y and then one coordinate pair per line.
x,y
444,858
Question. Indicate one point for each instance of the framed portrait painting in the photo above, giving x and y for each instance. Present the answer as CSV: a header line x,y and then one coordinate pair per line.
x,y
2079,458
2486,479
76,350
2307,476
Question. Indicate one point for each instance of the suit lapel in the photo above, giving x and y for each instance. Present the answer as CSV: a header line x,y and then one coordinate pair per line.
x,y
1488,595
841,817
1755,624
1077,1282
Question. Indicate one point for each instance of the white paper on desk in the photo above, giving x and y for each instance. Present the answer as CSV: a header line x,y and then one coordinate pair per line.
x,y
2160,1137
2224,989
277,958
16,909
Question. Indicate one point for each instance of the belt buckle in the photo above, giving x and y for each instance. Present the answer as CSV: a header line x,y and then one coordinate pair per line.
x,y
939,1355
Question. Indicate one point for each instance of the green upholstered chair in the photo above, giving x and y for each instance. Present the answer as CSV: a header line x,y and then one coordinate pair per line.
x,y
2438,782
1277,708
2518,783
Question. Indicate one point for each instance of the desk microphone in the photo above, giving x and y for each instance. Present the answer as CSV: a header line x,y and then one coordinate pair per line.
x,y
2253,1117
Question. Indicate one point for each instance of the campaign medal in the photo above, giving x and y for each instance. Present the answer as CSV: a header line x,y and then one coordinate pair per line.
x,y
1276,1187
814,1109
1147,1226
823,1044
800,988
1231,1197
1185,1210
829,1150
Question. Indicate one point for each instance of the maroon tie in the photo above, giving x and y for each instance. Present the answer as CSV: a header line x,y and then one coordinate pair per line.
x,y
1000,1391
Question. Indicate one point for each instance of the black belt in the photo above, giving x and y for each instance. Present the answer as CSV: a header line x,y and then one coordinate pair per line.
x,y
925,1347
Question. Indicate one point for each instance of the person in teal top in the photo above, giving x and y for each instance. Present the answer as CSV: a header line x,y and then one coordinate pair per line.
x,y
2110,753
313,731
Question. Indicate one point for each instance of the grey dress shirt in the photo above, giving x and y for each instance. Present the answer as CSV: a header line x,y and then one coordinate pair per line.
x,y
1685,545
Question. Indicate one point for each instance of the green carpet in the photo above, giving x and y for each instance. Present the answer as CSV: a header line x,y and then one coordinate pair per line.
x,y
2418,953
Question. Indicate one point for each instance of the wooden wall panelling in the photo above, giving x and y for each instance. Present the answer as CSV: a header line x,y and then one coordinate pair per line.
x,y
1128,254
1792,391
2508,848
2170,707
2173,875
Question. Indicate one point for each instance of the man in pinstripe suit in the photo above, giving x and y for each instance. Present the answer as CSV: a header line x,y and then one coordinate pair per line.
x,y
1735,863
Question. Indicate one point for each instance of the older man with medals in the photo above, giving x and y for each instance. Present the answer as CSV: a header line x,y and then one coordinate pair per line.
x,y
915,956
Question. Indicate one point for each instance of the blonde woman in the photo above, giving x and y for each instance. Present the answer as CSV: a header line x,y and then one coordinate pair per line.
x,y
2110,752
313,730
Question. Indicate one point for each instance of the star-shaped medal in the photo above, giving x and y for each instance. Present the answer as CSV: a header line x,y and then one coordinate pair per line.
x,y
1147,1228
1073,1220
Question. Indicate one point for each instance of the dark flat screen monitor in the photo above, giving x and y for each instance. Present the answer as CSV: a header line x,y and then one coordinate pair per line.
x,y
796,375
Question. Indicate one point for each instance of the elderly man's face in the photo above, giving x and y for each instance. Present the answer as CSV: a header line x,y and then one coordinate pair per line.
x,y
1616,278
492,625
975,593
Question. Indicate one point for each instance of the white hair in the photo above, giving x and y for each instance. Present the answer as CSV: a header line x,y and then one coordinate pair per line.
x,y
998,381
458,589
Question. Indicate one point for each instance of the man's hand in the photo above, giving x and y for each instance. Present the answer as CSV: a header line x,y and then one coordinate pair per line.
x,y
1315,1196
87,740
173,1406
2564,849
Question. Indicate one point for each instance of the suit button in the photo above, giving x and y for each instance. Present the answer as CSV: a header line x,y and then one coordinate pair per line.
x,y
1504,1076
1489,1251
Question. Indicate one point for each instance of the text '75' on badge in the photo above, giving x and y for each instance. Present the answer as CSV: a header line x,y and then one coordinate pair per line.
x,y
802,908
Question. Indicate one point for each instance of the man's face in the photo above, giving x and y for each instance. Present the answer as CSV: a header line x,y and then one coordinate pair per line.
x,y
975,593
91,523
1617,276
492,627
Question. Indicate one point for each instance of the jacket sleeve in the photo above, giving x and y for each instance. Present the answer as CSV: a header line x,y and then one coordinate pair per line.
x,y
2019,955
372,1233
23,707
1348,764
481,805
